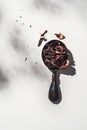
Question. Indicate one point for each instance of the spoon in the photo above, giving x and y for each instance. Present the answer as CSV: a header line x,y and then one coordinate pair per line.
x,y
55,57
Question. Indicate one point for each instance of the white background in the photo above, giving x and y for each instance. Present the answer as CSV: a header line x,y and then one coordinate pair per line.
x,y
24,85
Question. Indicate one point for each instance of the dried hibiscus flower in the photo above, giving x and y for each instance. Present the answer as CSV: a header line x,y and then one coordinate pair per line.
x,y
60,36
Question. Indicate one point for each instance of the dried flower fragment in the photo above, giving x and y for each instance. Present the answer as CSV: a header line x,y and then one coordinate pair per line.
x,y
60,36
41,40
42,35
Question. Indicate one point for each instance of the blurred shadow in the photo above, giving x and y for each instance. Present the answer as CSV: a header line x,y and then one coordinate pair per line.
x,y
1,15
3,80
70,70
39,72
17,41
47,5
27,67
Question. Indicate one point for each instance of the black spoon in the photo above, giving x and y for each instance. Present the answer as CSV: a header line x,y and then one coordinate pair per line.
x,y
55,57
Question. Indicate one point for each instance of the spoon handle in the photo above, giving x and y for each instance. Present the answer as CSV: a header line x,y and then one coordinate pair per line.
x,y
54,91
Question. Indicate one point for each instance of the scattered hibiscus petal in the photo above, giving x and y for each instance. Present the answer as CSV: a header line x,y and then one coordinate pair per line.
x,y
42,35
60,36
41,40
45,39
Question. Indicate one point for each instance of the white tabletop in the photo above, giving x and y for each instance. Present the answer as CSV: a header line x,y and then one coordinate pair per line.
x,y
24,84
